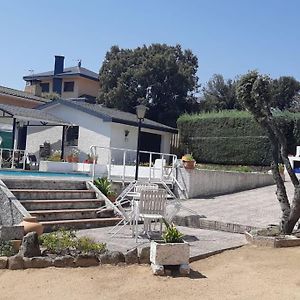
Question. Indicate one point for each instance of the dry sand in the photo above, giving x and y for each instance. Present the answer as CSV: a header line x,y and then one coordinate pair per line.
x,y
245,273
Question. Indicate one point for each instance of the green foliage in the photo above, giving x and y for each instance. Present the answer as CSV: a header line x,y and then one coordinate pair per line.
x,y
162,76
233,168
104,185
6,248
233,137
284,91
187,157
66,242
171,234
219,94
55,156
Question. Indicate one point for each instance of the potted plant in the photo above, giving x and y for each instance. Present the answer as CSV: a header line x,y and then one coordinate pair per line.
x,y
90,159
55,156
73,156
104,185
172,250
188,161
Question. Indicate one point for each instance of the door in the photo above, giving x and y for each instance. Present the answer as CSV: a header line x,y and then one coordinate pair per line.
x,y
149,142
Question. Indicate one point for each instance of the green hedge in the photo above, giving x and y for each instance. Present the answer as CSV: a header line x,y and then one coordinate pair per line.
x,y
233,137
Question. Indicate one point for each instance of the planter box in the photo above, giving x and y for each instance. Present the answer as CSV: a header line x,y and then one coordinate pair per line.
x,y
169,253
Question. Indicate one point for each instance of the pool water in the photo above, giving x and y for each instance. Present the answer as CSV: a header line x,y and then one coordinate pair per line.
x,y
41,174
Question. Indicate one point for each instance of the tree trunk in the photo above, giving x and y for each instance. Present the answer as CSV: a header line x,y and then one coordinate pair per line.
x,y
295,212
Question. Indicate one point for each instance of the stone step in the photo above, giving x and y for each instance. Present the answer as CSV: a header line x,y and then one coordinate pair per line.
x,y
64,214
35,194
45,184
79,224
44,204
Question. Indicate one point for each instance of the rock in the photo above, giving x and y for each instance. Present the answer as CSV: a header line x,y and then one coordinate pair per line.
x,y
184,269
15,262
3,262
86,261
144,255
158,270
30,245
112,258
37,262
64,261
131,257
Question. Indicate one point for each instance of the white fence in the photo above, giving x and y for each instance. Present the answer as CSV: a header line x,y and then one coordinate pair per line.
x,y
121,164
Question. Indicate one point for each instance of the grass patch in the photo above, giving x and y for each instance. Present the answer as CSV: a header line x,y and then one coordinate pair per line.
x,y
233,168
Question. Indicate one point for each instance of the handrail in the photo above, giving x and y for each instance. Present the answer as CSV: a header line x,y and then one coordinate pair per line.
x,y
94,151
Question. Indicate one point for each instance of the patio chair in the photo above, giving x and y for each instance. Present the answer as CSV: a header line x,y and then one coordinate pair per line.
x,y
145,187
152,206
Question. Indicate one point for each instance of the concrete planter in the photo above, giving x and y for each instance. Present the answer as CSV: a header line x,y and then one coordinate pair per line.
x,y
169,253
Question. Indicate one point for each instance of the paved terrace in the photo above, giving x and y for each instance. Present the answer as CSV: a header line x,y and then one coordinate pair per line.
x,y
257,207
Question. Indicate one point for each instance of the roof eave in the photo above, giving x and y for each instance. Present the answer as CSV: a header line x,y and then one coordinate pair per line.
x,y
145,125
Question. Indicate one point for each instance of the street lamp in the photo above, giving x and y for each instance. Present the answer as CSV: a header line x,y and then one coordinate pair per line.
x,y
140,113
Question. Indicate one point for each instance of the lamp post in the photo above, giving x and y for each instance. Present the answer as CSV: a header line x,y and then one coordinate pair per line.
x,y
140,113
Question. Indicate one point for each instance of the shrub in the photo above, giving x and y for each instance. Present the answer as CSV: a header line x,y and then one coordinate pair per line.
x,y
104,185
66,242
172,235
6,248
233,137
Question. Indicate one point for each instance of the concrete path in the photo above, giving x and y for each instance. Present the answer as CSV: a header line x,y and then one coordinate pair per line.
x,y
202,242
257,207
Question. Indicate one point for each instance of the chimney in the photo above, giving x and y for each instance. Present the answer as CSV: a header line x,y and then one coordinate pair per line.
x,y
58,69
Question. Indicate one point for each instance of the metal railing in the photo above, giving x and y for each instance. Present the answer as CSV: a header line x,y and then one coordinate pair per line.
x,y
12,158
121,163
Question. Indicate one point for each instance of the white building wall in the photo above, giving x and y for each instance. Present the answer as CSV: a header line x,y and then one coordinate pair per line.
x,y
37,135
92,131
119,140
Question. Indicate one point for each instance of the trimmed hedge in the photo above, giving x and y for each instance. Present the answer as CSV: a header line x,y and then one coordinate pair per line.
x,y
233,137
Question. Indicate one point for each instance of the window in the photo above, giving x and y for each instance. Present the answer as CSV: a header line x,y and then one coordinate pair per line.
x,y
72,136
69,86
45,87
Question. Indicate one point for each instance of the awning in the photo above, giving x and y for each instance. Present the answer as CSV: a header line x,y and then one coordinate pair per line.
x,y
30,114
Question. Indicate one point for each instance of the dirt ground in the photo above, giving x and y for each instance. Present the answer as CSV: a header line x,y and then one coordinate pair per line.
x,y
245,273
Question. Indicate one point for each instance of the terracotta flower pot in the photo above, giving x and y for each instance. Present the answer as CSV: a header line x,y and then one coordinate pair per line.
x,y
31,224
16,244
189,164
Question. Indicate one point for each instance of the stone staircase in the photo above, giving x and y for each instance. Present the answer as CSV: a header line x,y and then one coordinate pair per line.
x,y
59,203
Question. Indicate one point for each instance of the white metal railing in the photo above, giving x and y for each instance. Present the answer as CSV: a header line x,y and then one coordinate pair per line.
x,y
121,163
12,158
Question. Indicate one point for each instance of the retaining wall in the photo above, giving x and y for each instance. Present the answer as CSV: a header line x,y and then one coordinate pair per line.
x,y
203,183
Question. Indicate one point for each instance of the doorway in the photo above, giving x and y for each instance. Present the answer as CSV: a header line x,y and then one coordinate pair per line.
x,y
149,142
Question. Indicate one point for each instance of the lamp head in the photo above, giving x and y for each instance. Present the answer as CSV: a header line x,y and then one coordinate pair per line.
x,y
141,111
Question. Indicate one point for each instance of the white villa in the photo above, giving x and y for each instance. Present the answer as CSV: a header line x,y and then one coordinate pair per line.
x,y
94,124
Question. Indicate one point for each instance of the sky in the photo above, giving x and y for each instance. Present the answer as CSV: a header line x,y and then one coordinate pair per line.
x,y
229,37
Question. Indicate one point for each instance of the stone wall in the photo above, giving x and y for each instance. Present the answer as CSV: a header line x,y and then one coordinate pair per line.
x,y
11,210
203,183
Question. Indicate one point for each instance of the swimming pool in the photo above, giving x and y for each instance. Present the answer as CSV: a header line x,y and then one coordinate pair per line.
x,y
24,173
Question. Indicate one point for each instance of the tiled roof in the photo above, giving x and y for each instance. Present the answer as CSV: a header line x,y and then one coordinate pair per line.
x,y
110,114
30,114
72,71
17,93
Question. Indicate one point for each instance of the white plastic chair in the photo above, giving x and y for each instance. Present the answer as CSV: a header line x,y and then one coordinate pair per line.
x,y
145,187
152,206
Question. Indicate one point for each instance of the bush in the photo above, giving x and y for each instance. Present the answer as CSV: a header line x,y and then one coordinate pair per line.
x,y
233,137
64,242
6,248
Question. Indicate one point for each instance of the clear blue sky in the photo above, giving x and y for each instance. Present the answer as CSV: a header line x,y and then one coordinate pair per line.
x,y
228,36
